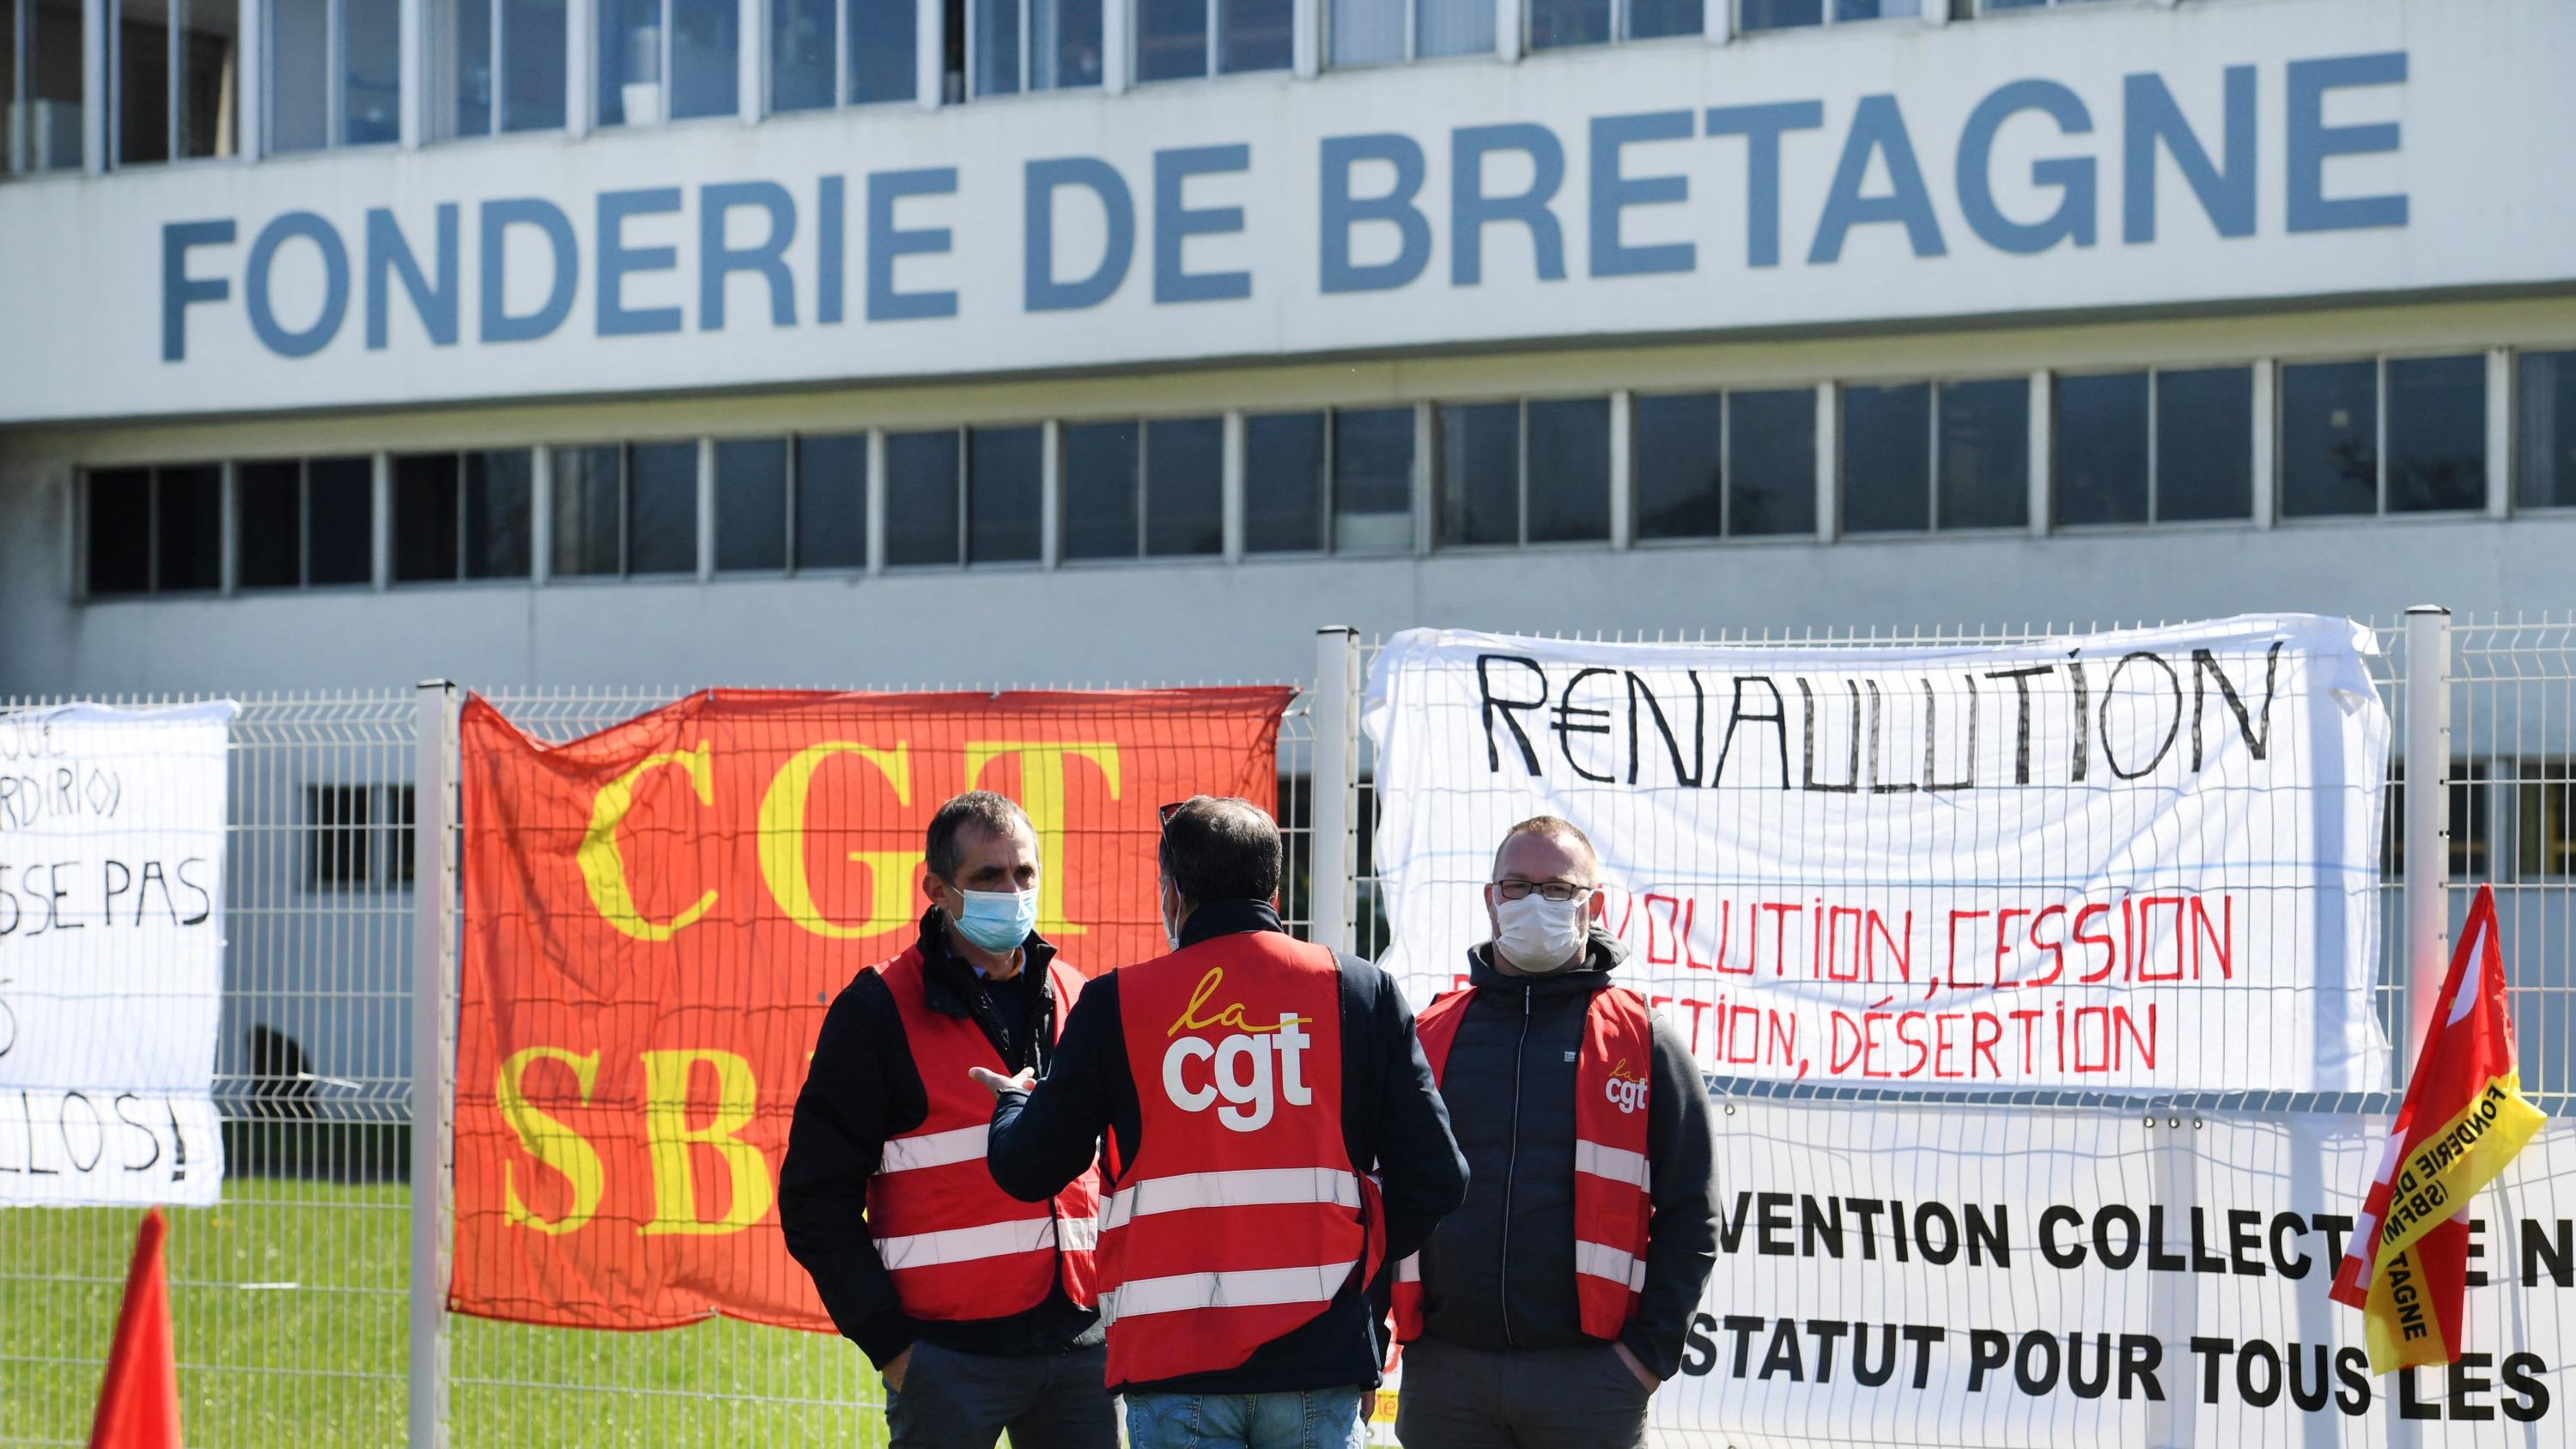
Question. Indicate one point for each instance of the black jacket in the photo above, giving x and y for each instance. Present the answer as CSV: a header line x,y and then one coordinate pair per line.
x,y
1391,1122
862,1089
1499,1274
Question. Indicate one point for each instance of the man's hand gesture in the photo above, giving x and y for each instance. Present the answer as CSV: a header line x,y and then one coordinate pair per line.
x,y
995,1083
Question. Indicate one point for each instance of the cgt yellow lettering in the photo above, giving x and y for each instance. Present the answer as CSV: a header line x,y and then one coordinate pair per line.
x,y
782,844
555,1146
603,866
1042,795
668,1138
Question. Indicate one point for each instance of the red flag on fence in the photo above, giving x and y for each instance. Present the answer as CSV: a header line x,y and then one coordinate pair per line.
x,y
138,1404
2464,1118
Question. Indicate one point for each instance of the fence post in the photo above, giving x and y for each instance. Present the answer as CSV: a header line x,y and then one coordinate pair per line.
x,y
433,1060
2428,804
1332,854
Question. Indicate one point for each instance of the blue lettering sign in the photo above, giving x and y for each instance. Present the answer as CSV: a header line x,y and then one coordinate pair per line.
x,y
1761,127
390,256
1175,224
2149,116
1040,291
1471,210
1878,127
616,259
178,289
2313,142
2071,175
1342,211
887,243
497,325
335,284
1613,191
717,259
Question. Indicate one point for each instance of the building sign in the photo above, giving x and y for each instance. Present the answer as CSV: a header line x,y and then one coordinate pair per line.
x,y
2145,860
657,917
111,954
1874,173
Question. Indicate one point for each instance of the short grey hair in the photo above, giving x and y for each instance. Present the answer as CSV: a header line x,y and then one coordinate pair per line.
x,y
986,811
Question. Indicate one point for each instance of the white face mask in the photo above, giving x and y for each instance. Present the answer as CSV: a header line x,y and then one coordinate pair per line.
x,y
1538,935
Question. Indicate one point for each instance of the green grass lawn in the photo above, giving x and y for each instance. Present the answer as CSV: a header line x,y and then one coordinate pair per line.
x,y
292,1320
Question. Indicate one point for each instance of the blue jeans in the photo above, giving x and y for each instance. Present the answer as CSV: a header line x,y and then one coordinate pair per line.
x,y
1309,1419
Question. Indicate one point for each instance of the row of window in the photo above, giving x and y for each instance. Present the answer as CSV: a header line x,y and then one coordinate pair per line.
x,y
2369,436
334,74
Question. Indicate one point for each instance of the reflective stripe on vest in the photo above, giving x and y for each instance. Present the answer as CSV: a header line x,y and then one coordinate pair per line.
x,y
1241,1216
1611,1178
955,1245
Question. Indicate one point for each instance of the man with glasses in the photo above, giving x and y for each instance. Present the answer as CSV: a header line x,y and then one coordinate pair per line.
x,y
1546,1311
1251,1083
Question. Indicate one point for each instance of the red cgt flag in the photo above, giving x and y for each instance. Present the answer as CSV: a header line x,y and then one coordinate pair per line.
x,y
138,1404
2464,1118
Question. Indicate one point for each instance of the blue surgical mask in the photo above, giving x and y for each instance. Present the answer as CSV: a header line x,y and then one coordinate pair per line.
x,y
997,921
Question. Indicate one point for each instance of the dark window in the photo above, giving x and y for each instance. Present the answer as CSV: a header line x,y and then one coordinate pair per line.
x,y
1513,473
1675,460
2329,439
1283,483
1650,19
189,524
921,497
884,63
142,81
1771,462
662,508
120,531
2545,418
340,520
2205,444
500,507
2099,437
1171,39
1567,470
2437,433
268,511
1478,446
589,501
427,499
1373,480
336,820
1184,487
832,502
1255,35
1984,460
751,505
1554,23
1099,467
1002,513
1887,458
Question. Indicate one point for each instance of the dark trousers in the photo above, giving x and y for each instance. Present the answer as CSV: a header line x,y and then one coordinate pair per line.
x,y
1541,1398
964,1401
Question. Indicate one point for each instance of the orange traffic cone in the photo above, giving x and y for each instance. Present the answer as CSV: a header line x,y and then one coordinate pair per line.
x,y
138,1404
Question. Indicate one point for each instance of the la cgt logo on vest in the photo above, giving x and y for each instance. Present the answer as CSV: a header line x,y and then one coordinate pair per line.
x,y
1625,1089
1241,1068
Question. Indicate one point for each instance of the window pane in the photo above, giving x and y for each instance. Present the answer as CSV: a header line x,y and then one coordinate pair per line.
x,y
705,74
1675,462
1771,462
1373,481
340,521
883,66
2205,444
630,62
803,36
1569,470
209,75
1876,9
2437,433
1887,458
1554,23
1779,14
2329,439
462,77
268,536
1002,519
426,498
120,531
997,47
751,504
142,81
1064,44
54,85
1371,32
297,81
1184,486
832,502
921,497
1171,39
587,509
1255,35
1648,19
1100,472
191,526
2100,442
8,86
662,508
1283,483
371,80
500,501
1453,27
1985,453
533,41
1480,473
2545,451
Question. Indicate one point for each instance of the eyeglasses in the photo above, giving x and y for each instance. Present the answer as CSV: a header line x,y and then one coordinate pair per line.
x,y
1163,814
1554,890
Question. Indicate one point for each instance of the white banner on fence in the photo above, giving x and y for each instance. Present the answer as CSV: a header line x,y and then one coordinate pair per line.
x,y
2144,860
1996,1277
111,954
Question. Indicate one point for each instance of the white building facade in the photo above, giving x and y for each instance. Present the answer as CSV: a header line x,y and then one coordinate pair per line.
x,y
535,342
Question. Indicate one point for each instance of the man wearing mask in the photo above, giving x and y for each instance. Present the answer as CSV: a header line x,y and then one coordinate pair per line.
x,y
1546,1311
1250,1083
977,1309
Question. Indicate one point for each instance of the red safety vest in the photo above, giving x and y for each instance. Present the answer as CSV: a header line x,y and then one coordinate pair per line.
x,y
1612,1083
956,1245
1242,1215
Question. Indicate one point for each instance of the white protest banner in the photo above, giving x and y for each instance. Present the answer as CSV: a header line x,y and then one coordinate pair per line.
x,y
2143,861
111,954
1990,1276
